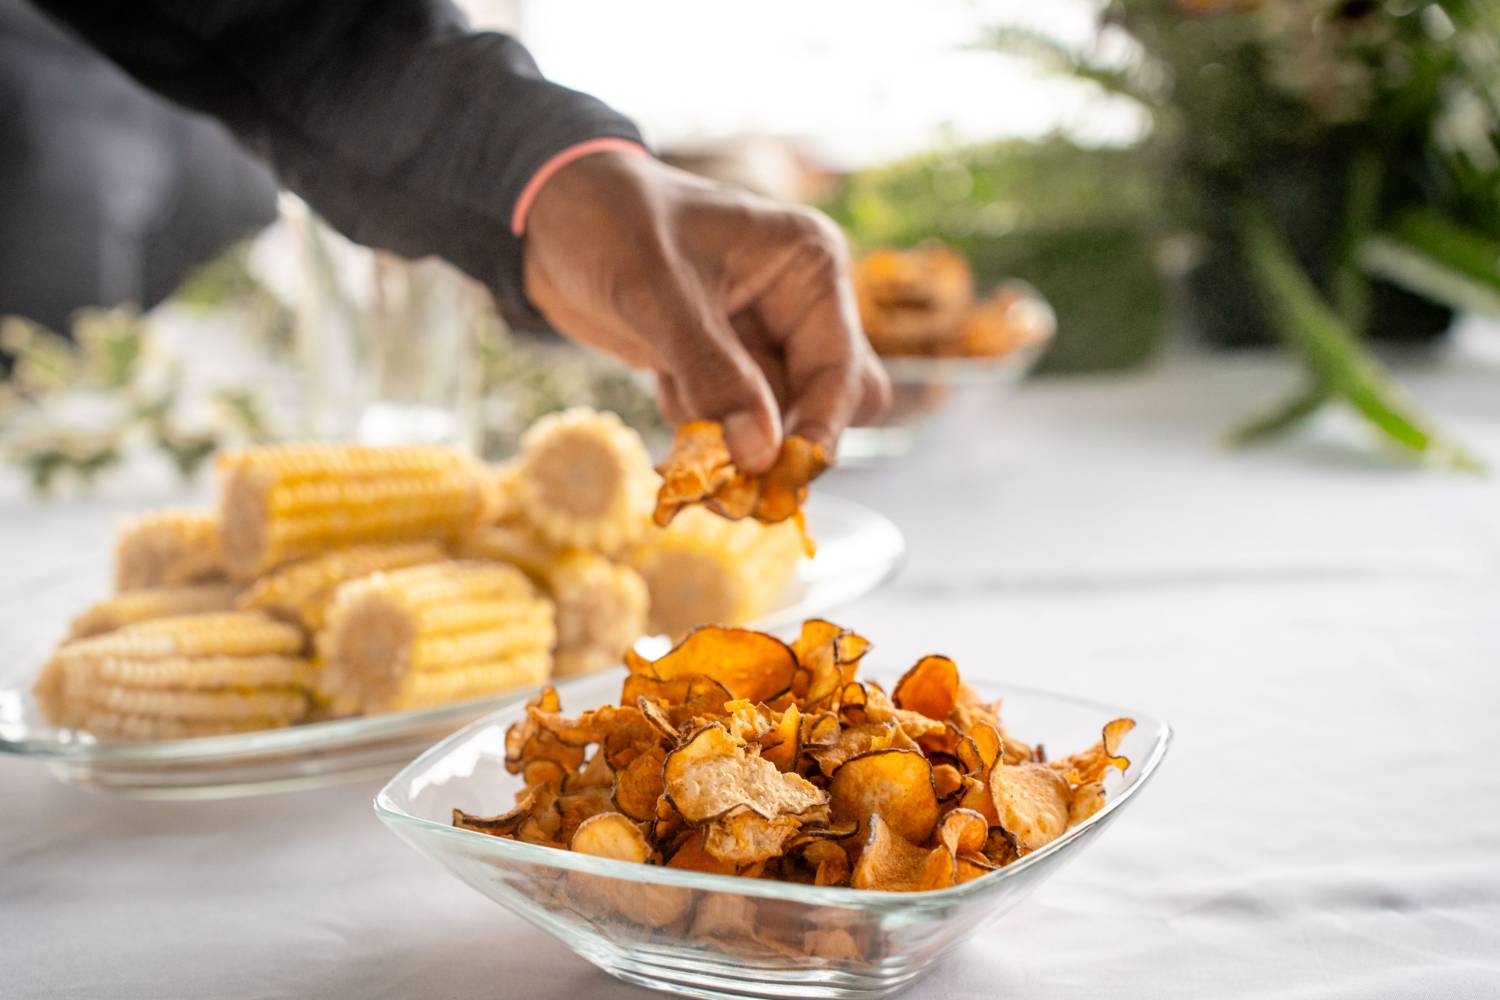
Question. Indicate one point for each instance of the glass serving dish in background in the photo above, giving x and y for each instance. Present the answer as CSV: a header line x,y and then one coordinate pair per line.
x,y
720,935
858,549
923,385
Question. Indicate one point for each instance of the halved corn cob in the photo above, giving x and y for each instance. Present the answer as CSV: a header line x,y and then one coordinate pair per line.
x,y
167,548
600,605
300,592
705,570
284,502
428,633
186,674
584,481
146,603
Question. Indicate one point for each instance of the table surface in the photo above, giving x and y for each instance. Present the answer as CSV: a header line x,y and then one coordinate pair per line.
x,y
1319,624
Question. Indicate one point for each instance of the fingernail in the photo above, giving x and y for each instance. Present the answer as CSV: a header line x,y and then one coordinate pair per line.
x,y
751,446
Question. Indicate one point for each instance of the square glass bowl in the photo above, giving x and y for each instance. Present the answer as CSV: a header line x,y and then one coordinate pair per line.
x,y
720,935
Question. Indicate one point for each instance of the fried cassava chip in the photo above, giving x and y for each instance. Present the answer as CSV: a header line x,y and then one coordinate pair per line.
x,y
699,469
611,835
930,687
1032,801
713,773
890,862
750,665
896,784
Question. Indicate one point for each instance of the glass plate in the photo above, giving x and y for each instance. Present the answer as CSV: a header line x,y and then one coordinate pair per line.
x,y
722,936
858,549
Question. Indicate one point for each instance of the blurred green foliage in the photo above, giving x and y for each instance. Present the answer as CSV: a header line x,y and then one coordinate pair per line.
x,y
1361,137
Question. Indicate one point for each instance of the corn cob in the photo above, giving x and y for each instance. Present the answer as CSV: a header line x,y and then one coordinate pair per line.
x,y
600,605
584,481
168,548
182,675
285,502
301,591
704,570
416,635
146,603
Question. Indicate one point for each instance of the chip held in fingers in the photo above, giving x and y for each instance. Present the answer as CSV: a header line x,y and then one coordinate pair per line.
x,y
699,470
738,754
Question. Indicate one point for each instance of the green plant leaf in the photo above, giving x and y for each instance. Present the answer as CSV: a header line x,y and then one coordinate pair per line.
x,y
1438,258
1280,418
1341,364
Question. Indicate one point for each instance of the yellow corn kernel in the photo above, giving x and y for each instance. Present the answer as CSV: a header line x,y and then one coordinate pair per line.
x,y
286,502
146,603
301,591
115,726
167,548
388,631
584,481
705,570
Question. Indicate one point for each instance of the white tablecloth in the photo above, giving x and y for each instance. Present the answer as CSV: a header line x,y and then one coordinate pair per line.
x,y
1321,627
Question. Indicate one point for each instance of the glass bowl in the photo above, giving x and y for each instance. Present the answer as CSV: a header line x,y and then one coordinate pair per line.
x,y
921,388
720,935
858,549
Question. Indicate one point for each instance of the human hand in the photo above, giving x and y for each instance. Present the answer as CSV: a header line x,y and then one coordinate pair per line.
x,y
742,307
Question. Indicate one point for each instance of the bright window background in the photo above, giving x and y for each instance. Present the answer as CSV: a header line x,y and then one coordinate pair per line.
x,y
852,83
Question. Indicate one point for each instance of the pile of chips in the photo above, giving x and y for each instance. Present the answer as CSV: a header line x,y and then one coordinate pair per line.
x,y
738,754
921,302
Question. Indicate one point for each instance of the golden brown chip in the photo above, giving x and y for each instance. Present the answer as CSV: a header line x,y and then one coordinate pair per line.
x,y
576,808
970,867
638,785
743,836
930,687
680,698
828,657
963,831
712,774
852,742
892,863
1032,802
699,469
975,795
1086,800
979,748
499,826
544,771
896,784
611,835
829,861
947,781
1091,765
698,466
781,744
691,856
750,665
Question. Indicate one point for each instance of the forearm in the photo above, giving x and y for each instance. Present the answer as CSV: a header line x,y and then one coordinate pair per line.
x,y
399,125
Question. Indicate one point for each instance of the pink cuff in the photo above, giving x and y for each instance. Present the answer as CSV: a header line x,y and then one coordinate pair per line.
x,y
557,162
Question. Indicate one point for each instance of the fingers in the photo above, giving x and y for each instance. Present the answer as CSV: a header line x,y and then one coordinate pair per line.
x,y
804,297
711,375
